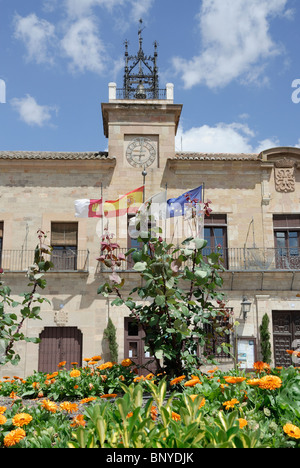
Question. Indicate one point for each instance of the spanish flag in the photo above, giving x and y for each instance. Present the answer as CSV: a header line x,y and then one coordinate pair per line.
x,y
129,203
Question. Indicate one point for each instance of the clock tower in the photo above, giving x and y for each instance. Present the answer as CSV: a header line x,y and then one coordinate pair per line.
x,y
140,120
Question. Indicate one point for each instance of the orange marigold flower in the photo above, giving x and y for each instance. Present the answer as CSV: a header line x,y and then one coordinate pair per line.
x,y
106,365
177,380
13,396
69,407
232,379
14,437
129,415
149,376
261,366
87,359
192,383
74,363
78,421
49,406
175,416
292,431
230,404
242,422
139,378
126,362
96,358
87,400
153,413
109,395
2,409
270,382
61,364
2,419
21,419
253,382
75,373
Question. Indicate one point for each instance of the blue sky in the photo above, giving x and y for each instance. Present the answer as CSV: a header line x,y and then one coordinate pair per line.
x,y
232,62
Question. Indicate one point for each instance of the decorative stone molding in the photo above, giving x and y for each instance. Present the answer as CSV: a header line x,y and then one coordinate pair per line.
x,y
61,318
285,175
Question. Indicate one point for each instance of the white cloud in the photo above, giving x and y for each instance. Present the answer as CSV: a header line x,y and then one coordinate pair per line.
x,y
31,112
222,138
83,46
38,36
236,42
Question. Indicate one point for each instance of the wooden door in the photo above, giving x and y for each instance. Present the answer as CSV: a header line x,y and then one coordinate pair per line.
x,y
59,344
286,336
134,347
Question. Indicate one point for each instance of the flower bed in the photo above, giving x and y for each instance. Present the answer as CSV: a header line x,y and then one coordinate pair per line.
x,y
104,405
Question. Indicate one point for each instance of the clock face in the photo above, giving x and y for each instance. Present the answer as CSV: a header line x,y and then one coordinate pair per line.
x,y
141,152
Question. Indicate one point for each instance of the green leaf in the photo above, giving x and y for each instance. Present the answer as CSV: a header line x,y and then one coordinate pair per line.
x,y
160,300
200,243
140,266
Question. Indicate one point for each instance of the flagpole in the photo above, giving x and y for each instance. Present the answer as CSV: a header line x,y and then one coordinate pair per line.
x,y
165,208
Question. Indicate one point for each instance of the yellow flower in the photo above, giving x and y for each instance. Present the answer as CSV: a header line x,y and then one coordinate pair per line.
x,y
75,373
21,419
270,382
292,431
14,437
177,380
242,422
2,419
69,407
230,404
49,406
126,362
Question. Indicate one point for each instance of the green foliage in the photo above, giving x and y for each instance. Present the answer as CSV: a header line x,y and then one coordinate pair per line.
x,y
11,323
111,336
265,339
177,296
148,415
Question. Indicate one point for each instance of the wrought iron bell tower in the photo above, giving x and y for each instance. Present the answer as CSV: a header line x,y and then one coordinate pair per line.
x,y
141,72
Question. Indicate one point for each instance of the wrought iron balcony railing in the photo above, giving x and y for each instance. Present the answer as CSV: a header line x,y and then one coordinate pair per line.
x,y
67,260
242,259
160,94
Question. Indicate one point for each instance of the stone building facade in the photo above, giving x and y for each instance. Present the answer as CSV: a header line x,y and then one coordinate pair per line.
x,y
255,221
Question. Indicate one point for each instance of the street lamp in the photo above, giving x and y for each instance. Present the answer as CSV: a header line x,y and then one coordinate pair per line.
x,y
246,306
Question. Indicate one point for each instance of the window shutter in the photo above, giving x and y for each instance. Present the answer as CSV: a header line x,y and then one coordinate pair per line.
x,y
64,234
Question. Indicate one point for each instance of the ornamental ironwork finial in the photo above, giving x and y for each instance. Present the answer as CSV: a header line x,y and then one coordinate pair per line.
x,y
141,72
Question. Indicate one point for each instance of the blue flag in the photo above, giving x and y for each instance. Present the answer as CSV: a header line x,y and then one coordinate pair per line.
x,y
175,206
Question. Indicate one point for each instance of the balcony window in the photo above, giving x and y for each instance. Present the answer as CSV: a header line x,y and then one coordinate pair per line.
x,y
215,233
287,241
64,242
